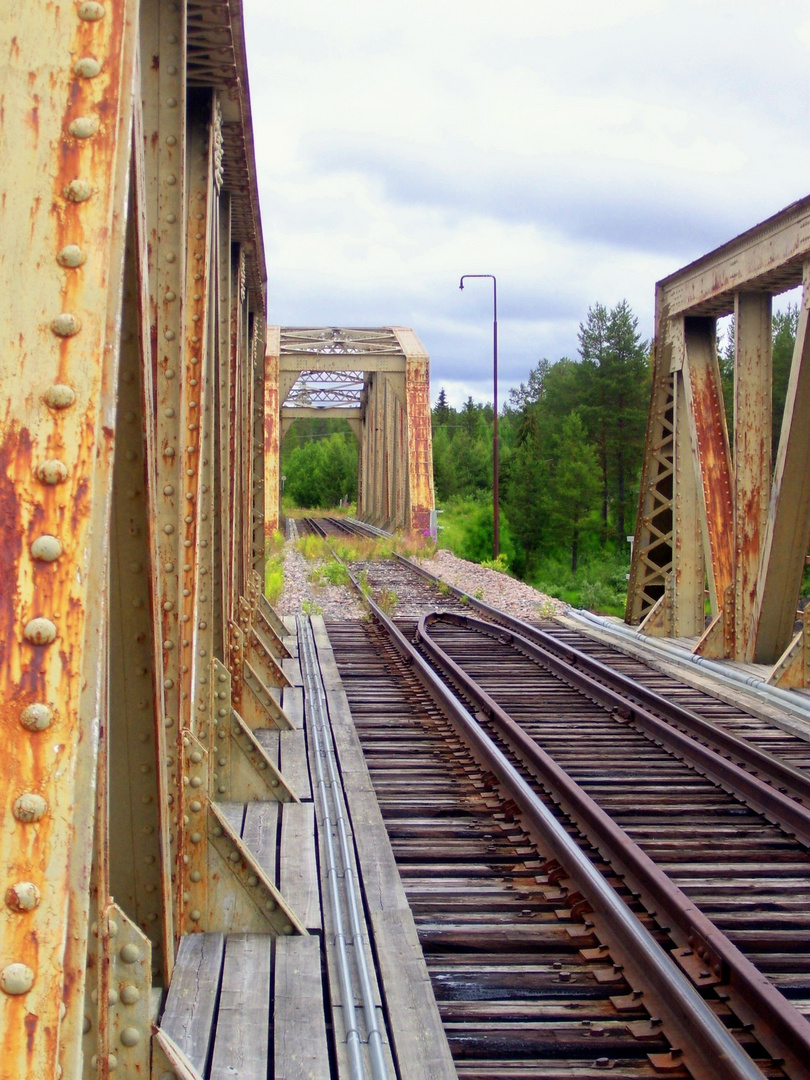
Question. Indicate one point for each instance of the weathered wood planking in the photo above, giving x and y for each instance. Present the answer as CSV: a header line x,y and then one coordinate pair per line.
x,y
243,1024
235,813
294,766
293,703
268,740
298,865
191,1003
301,1050
292,669
419,1041
260,833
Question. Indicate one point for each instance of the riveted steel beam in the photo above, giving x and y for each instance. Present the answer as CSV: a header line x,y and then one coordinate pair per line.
x,y
753,376
788,527
65,122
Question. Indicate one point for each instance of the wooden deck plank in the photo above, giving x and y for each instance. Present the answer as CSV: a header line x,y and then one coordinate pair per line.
x,y
301,1050
269,742
242,1041
298,865
292,701
191,1002
292,669
415,1027
294,766
260,833
235,813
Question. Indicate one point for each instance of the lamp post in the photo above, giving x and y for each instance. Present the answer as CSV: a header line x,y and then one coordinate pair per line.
x,y
496,542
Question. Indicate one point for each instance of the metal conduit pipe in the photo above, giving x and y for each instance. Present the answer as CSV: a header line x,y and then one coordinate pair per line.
x,y
335,817
786,699
686,1013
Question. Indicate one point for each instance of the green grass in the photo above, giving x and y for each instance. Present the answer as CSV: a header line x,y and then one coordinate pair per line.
x,y
330,573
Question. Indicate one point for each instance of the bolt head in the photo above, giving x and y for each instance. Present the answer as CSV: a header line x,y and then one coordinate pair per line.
x,y
60,396
16,979
130,953
52,471
87,68
22,896
46,548
29,807
66,324
130,995
78,191
91,11
36,717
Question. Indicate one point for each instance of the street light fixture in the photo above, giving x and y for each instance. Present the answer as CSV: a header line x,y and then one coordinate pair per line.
x,y
496,544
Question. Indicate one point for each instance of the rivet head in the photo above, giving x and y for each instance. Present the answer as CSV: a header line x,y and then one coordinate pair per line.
x,y
195,876
252,880
36,717
87,68
130,953
130,995
83,127
91,11
71,256
52,472
195,915
168,529
40,631
86,1025
130,1036
22,896
46,548
66,324
112,1062
195,837
29,807
60,396
16,979
78,190
217,830
196,781
196,757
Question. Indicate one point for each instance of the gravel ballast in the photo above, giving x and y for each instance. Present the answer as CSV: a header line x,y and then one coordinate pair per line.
x,y
339,602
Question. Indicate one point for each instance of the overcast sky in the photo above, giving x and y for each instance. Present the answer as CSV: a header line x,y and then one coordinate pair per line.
x,y
578,150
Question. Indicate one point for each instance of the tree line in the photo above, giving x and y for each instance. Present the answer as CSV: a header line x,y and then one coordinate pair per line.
x,y
571,442
571,446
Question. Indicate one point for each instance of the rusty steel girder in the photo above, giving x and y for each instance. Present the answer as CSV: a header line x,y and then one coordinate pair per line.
x,y
132,477
725,524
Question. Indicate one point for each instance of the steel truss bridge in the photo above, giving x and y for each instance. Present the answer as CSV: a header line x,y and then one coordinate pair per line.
x,y
157,828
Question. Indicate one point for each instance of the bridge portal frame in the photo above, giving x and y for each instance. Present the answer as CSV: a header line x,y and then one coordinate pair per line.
x,y
390,415
712,518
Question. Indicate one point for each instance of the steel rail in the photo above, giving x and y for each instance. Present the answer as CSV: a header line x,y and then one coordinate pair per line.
x,y
758,795
778,772
707,1047
702,936
336,818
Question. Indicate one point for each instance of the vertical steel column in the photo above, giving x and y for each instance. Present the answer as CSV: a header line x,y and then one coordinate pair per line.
x,y
164,44
712,456
421,498
688,563
64,181
786,535
272,434
753,375
652,554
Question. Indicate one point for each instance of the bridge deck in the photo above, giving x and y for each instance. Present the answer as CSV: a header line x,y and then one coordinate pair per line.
x,y
251,1006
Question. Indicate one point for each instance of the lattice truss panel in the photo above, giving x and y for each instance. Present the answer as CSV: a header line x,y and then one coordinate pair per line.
x,y
377,379
719,523
137,654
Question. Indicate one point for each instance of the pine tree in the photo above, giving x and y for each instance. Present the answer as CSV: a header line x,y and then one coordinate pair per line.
x,y
441,413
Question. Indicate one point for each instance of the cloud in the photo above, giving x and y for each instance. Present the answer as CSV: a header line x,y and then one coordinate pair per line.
x,y
577,151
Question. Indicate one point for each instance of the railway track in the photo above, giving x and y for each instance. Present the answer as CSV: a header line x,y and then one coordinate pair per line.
x,y
719,821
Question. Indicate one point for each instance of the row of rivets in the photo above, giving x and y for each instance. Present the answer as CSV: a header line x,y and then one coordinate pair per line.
x,y
30,807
